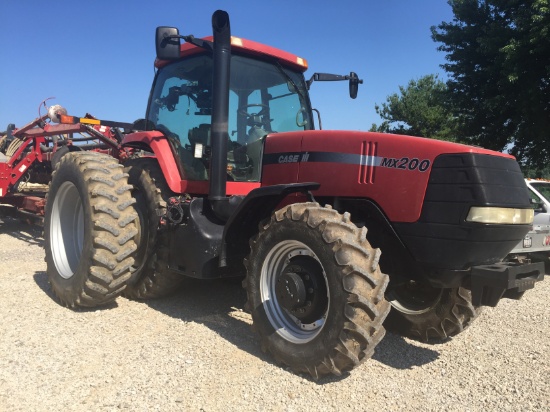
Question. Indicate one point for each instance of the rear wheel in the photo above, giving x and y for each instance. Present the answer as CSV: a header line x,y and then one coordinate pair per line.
x,y
151,277
422,312
89,230
315,291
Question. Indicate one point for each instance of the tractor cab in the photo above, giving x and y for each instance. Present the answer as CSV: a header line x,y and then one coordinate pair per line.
x,y
267,94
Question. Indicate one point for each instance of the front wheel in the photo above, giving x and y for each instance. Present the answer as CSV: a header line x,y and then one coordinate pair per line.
x,y
315,291
422,312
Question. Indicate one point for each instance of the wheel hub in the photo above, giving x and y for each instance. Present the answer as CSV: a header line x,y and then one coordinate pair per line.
x,y
301,289
291,290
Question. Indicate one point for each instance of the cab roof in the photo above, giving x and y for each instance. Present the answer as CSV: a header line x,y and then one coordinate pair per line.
x,y
248,47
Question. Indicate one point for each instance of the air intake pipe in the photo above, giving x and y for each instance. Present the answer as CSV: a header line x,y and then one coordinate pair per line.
x,y
220,111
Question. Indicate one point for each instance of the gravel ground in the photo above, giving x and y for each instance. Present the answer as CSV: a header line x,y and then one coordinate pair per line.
x,y
195,351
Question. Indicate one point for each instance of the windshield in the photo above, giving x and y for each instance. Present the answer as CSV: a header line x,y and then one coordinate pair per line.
x,y
543,189
264,98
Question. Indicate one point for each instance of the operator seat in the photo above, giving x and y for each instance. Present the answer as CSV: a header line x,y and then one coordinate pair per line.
x,y
200,134
195,168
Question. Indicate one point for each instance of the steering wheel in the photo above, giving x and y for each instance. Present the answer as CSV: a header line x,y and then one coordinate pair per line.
x,y
243,111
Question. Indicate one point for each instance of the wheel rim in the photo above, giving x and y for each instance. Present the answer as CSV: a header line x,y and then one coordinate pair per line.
x,y
67,230
294,263
414,298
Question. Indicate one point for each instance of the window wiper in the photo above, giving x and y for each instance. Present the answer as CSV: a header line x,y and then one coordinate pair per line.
x,y
289,79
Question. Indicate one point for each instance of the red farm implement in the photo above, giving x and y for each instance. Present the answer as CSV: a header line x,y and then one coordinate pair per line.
x,y
29,154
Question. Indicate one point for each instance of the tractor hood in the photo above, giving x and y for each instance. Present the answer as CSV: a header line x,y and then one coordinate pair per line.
x,y
392,170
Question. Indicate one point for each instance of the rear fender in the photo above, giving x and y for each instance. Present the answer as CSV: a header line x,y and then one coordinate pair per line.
x,y
161,147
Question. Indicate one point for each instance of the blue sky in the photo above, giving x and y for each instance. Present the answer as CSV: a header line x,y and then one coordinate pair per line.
x,y
97,56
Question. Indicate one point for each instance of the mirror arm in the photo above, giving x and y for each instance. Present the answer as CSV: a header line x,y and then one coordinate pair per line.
x,y
203,44
326,77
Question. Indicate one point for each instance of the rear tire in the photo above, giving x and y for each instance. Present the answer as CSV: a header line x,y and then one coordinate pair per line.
x,y
427,314
151,278
89,230
315,291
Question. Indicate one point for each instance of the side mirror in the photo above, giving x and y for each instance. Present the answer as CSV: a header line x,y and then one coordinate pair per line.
x,y
167,42
538,206
354,81
353,84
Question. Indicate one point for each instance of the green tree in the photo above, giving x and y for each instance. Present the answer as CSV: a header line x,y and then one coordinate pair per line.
x,y
420,109
536,173
498,62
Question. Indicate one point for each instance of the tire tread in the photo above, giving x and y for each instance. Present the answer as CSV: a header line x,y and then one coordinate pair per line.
x,y
105,278
361,279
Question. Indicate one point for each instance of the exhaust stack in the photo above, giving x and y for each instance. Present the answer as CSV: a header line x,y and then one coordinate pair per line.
x,y
220,112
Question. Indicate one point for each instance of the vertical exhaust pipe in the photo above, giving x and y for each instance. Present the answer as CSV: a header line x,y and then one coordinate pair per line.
x,y
219,133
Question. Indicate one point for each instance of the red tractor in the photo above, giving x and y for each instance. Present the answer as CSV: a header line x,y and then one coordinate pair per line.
x,y
226,177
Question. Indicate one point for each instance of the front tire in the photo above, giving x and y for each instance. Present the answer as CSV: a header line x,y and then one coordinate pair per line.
x,y
89,230
315,291
427,314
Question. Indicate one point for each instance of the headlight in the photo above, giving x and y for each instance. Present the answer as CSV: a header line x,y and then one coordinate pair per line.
x,y
501,215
